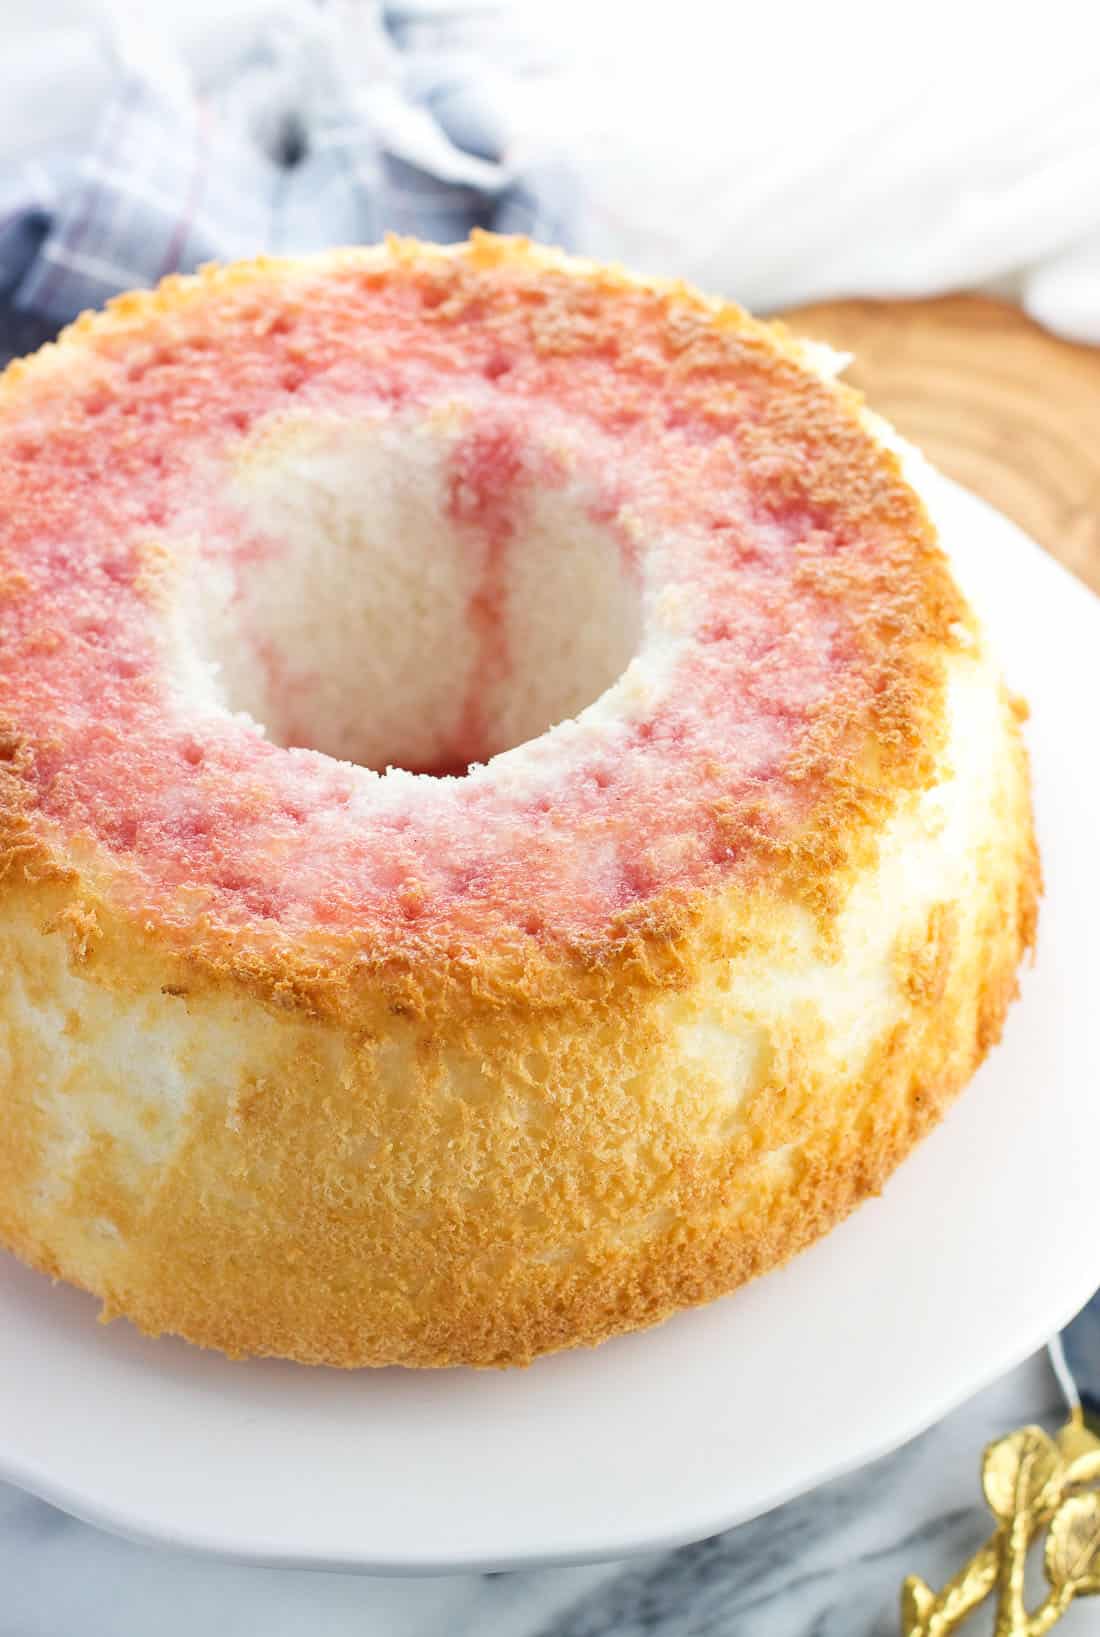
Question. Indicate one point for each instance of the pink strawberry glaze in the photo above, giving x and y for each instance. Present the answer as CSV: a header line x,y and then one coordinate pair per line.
x,y
730,509
485,473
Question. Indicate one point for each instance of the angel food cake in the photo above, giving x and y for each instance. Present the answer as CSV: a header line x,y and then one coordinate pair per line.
x,y
508,827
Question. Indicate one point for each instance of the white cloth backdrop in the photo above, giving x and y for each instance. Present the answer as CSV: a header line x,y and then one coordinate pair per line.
x,y
776,152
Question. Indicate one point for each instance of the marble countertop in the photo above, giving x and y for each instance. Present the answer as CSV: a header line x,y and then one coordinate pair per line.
x,y
827,1565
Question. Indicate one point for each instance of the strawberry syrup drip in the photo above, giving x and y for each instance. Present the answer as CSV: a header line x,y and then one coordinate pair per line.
x,y
482,499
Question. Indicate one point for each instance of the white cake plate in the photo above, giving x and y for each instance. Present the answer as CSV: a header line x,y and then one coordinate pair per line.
x,y
986,1240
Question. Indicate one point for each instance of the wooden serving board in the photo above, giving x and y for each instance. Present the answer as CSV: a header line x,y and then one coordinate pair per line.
x,y
994,401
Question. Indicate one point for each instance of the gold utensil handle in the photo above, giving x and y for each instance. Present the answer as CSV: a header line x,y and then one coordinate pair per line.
x,y
1031,1482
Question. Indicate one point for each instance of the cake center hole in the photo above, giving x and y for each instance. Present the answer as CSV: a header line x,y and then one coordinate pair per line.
x,y
417,594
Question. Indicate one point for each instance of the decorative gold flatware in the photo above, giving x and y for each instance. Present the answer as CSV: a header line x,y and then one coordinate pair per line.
x,y
1033,1482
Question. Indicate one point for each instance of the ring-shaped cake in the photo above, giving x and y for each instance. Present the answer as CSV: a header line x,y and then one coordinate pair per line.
x,y
508,827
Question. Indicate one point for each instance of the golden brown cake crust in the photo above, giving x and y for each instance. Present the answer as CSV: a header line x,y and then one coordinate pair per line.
x,y
354,1145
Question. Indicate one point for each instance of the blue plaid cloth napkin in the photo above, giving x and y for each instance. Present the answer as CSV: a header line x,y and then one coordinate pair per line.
x,y
341,122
